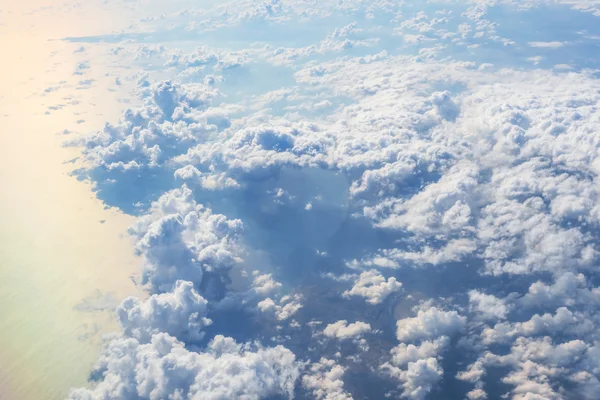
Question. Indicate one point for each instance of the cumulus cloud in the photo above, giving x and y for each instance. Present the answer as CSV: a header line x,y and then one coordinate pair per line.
x,y
180,239
568,289
537,366
325,150
147,137
180,313
418,378
562,321
265,284
418,367
324,379
373,287
344,330
283,308
430,323
487,305
404,354
164,368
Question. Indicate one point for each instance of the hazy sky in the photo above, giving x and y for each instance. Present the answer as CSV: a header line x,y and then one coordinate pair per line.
x,y
56,257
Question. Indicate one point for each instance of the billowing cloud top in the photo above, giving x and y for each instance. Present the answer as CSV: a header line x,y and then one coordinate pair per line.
x,y
357,199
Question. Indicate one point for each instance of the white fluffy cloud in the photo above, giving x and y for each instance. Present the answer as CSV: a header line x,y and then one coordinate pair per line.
x,y
149,136
373,287
487,305
418,367
283,308
180,313
265,284
344,330
568,289
430,323
538,367
324,379
329,143
164,368
404,354
180,239
418,378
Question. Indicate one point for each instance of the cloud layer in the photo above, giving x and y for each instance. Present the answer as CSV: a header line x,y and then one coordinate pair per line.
x,y
385,198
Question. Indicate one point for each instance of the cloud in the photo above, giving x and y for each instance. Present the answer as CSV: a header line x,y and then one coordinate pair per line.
x,y
418,378
97,302
180,239
563,321
324,379
537,366
180,313
276,175
264,284
568,289
282,309
430,323
164,368
373,287
404,354
547,45
486,305
418,367
344,330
